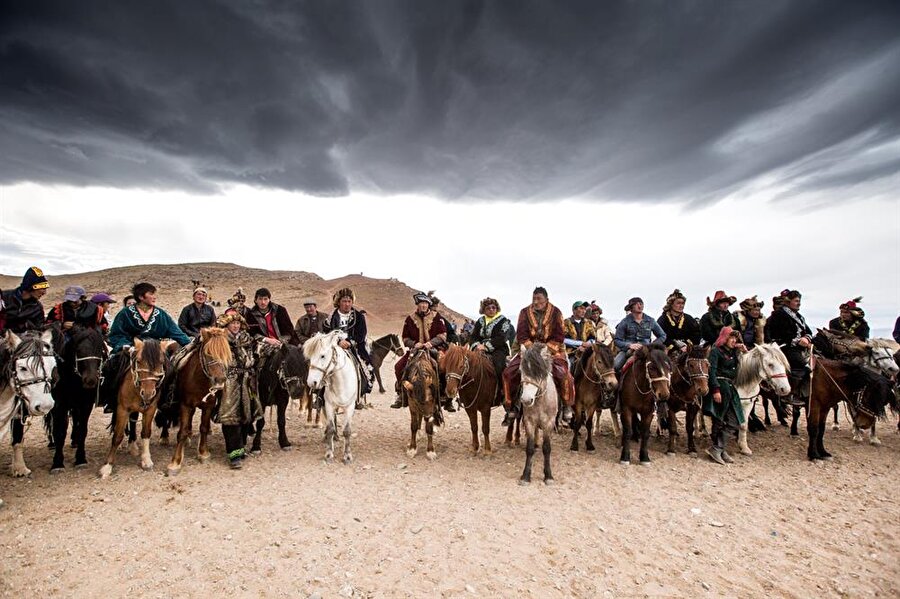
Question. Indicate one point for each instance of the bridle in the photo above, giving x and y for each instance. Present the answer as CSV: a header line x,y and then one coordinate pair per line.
x,y
204,366
392,347
652,379
541,390
20,399
600,374
328,370
461,376
156,377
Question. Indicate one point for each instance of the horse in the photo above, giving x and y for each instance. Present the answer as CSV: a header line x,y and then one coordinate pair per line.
x,y
381,347
652,369
471,380
139,387
880,358
765,362
76,393
281,378
421,386
690,383
595,388
332,367
198,383
29,372
540,403
866,393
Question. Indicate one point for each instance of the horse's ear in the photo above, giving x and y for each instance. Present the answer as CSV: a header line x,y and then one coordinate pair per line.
x,y
170,347
12,339
204,334
47,337
407,385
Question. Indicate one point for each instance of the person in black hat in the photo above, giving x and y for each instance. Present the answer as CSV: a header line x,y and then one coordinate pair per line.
x,y
787,327
635,330
852,320
22,309
717,316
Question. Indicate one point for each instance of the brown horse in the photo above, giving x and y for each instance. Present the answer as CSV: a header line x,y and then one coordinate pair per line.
x,y
421,385
644,384
138,391
595,383
471,380
690,383
197,386
865,392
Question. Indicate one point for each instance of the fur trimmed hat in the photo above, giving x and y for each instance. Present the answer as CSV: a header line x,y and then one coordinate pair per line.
x,y
420,297
632,302
790,294
230,315
675,295
488,301
238,298
595,307
851,306
724,334
342,293
750,303
720,296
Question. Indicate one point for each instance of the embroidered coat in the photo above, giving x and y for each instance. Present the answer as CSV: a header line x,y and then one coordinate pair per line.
x,y
130,325
495,338
712,322
240,404
88,314
421,329
545,328
571,332
786,328
753,330
858,327
356,331
723,364
684,328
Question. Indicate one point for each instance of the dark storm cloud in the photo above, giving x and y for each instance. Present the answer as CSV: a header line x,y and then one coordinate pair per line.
x,y
636,101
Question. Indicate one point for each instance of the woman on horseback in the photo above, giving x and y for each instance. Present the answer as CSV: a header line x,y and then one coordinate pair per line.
x,y
722,403
491,336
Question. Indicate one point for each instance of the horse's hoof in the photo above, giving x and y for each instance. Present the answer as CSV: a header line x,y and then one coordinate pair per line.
x,y
670,453
828,458
133,449
431,455
347,459
81,465
147,467
590,449
173,471
164,441
645,462
411,452
287,448
329,459
875,441
693,454
317,425
21,472
105,471
746,451
57,470
835,427
624,463
203,458
549,481
256,452
523,482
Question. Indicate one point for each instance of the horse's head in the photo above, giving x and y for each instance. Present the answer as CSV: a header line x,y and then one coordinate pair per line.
x,y
535,369
215,356
658,369
454,364
88,354
321,352
695,368
882,359
293,371
773,367
148,362
395,345
31,370
602,365
421,385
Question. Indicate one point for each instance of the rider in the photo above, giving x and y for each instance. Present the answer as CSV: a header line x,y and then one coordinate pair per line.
x,y
602,332
680,328
491,336
579,332
452,335
750,322
634,331
852,320
21,308
238,301
197,315
239,406
423,329
353,322
540,322
103,301
722,403
75,310
310,324
717,316
269,320
788,328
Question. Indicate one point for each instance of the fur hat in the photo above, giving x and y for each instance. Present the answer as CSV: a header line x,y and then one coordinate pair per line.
x,y
422,297
34,279
724,334
632,302
750,303
789,294
777,302
595,307
851,306
309,301
671,299
341,293
487,302
238,297
200,289
720,296
230,316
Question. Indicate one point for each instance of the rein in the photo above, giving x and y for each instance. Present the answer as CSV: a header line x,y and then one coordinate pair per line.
x,y
600,374
856,404
651,380
204,366
460,377
156,378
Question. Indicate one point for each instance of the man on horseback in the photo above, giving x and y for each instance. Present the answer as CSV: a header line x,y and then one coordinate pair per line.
x,y
75,310
634,331
353,322
21,308
104,301
852,320
197,315
750,322
540,322
788,328
238,302
717,316
579,332
424,329
491,336
681,329
270,321
310,324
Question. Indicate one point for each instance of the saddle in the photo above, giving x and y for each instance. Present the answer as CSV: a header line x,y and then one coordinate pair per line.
x,y
181,356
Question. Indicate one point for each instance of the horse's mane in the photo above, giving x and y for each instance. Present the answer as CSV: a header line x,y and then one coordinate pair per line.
x,y
314,343
151,353
215,345
533,364
890,344
82,334
656,353
749,363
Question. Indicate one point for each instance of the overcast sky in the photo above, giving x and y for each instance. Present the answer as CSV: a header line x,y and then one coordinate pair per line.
x,y
601,149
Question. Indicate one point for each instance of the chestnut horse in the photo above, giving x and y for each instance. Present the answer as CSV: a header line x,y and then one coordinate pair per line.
x,y
421,385
138,391
198,384
690,383
472,381
643,385
595,385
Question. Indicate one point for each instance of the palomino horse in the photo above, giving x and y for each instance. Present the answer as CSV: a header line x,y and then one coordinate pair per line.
x,y
540,403
471,380
421,386
79,383
595,386
690,383
332,367
198,383
381,347
28,364
281,378
644,384
138,391
765,362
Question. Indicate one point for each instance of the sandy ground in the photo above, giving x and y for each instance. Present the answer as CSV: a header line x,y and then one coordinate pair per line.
x,y
288,525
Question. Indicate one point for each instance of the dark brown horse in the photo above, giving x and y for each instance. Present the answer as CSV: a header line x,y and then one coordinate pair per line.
x,y
690,383
381,347
595,386
644,384
421,386
197,386
138,391
471,380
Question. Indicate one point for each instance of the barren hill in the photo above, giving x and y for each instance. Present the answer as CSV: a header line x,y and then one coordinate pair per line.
x,y
386,301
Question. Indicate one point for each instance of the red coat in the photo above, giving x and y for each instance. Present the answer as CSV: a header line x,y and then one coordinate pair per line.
x,y
551,330
418,329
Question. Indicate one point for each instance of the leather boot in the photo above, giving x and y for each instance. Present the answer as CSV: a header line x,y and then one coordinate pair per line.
x,y
510,417
715,455
448,404
398,403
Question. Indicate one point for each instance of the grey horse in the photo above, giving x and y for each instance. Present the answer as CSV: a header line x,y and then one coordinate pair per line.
x,y
540,403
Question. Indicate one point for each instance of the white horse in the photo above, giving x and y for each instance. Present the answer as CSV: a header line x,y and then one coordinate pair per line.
x,y
332,367
880,358
765,362
28,365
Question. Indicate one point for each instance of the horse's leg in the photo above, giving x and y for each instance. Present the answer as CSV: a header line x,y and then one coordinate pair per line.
x,y
673,429
414,421
309,408
529,453
812,429
378,378
205,426
256,448
589,427
689,421
283,441
348,420
164,434
429,432
472,413
795,417
518,429
873,438
545,449
646,423
60,415
132,434
836,424
146,430
625,415
486,428
747,406
511,426
80,418
577,422
780,413
185,423
330,432
122,415
766,420
617,428
704,432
